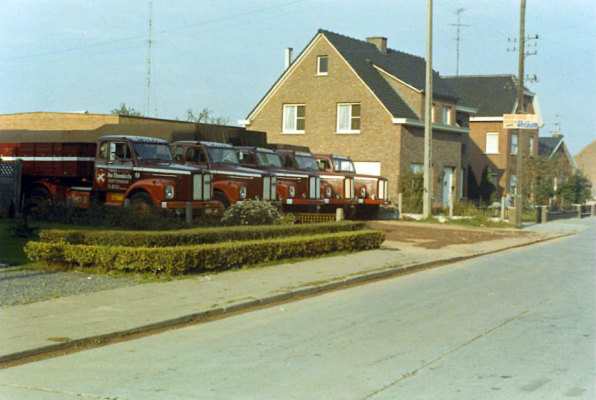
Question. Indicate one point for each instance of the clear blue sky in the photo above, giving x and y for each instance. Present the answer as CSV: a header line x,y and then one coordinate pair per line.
x,y
73,55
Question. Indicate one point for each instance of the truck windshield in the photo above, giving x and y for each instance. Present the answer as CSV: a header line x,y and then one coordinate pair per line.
x,y
222,155
269,159
343,164
307,162
152,151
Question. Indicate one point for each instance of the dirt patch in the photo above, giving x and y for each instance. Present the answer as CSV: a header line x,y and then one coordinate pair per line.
x,y
431,236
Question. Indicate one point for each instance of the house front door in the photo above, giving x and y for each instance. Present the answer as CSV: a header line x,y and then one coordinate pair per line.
x,y
447,185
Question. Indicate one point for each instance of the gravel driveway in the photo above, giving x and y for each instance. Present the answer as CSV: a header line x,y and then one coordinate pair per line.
x,y
21,286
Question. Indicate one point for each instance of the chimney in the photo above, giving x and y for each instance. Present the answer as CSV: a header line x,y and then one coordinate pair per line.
x,y
289,55
380,42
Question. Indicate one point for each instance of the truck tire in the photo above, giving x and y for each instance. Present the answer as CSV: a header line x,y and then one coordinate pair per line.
x,y
36,200
219,196
141,201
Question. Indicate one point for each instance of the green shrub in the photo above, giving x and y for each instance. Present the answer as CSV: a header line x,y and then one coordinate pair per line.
x,y
197,258
251,212
192,236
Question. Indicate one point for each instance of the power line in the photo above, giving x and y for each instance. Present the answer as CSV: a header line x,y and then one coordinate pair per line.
x,y
162,32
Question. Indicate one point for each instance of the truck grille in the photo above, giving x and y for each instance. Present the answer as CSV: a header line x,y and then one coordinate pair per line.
x,y
348,188
266,188
207,187
197,187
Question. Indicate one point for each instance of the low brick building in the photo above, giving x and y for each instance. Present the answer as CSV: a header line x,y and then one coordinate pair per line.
x,y
364,100
87,127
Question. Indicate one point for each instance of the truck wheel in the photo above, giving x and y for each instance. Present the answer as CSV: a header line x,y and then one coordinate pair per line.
x,y
36,200
141,201
219,196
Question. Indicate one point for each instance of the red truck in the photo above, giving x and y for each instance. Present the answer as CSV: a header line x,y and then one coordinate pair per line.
x,y
112,170
337,190
371,190
231,181
297,190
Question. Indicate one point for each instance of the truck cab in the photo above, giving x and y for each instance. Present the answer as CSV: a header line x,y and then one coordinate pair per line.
x,y
371,190
297,190
337,190
231,181
124,169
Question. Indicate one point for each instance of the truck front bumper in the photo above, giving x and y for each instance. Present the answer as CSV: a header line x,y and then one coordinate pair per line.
x,y
211,207
340,202
303,202
372,202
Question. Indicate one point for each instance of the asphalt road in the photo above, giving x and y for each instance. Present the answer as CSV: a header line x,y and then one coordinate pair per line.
x,y
514,325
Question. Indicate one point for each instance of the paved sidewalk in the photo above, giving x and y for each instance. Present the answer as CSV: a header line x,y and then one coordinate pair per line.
x,y
59,323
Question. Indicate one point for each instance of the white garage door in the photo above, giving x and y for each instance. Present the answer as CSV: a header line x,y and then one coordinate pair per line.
x,y
368,168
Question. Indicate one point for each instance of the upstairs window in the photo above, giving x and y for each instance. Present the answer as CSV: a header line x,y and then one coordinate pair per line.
x,y
446,116
294,118
492,143
322,65
513,144
348,118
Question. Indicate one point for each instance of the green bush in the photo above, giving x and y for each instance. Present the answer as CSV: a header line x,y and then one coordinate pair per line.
x,y
192,236
198,258
252,212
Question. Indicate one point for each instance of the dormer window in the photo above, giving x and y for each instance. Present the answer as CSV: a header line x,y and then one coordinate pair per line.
x,y
446,116
322,65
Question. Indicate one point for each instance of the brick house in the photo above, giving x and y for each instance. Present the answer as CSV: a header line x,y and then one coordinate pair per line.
x,y
364,100
493,149
586,162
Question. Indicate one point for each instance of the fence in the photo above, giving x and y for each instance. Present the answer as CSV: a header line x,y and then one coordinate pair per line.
x,y
10,188
580,211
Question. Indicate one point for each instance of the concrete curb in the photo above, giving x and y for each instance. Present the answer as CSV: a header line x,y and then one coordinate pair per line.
x,y
248,305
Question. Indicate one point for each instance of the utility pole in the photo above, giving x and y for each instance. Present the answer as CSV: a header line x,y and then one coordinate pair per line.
x,y
457,39
148,79
428,104
519,199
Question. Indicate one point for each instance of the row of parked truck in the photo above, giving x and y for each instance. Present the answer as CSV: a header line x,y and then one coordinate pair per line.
x,y
206,176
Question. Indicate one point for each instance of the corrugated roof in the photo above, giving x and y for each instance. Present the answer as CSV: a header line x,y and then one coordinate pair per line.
x,y
492,95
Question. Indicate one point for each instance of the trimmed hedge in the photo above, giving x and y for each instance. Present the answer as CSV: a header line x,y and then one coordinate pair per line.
x,y
197,258
192,236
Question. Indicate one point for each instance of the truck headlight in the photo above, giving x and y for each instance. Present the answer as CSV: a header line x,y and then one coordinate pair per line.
x,y
243,192
292,191
328,191
170,192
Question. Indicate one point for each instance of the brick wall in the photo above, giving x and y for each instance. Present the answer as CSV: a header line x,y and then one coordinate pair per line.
x,y
55,121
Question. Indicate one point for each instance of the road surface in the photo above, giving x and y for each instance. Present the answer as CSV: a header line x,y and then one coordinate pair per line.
x,y
520,324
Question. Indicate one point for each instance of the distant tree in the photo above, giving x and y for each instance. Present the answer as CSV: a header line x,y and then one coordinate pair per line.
x,y
124,110
486,189
575,189
206,117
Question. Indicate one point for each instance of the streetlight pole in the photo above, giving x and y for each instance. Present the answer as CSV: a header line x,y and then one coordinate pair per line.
x,y
520,110
428,104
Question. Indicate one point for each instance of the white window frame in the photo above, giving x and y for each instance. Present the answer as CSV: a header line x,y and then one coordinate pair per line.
x,y
446,115
512,186
513,143
292,130
490,150
350,117
319,72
